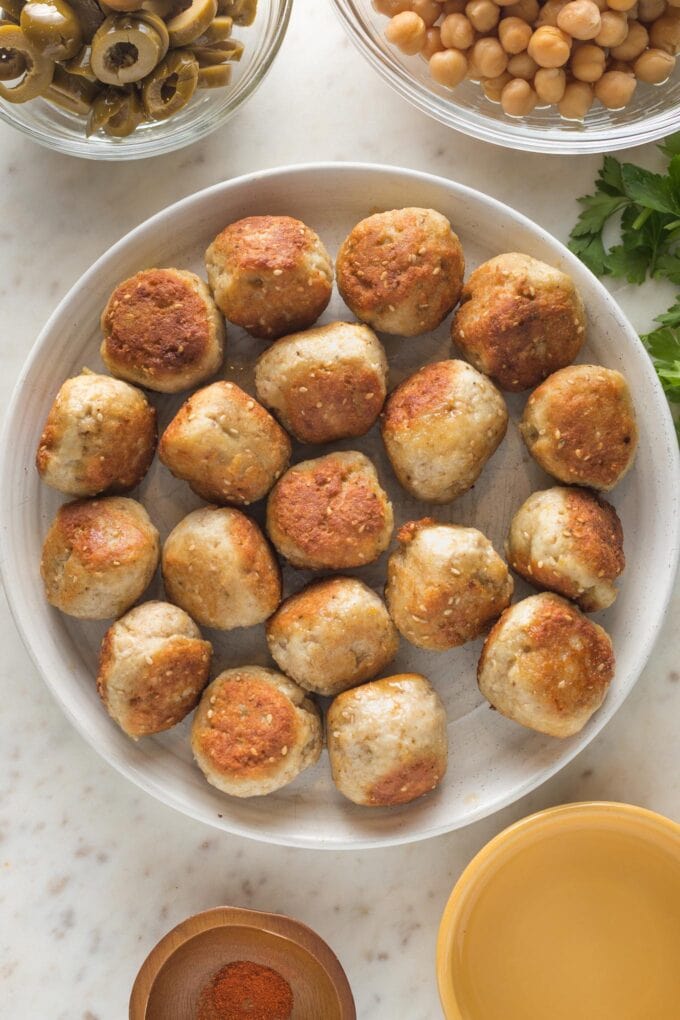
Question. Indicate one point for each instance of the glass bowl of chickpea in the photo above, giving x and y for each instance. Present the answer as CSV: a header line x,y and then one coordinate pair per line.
x,y
53,120
556,76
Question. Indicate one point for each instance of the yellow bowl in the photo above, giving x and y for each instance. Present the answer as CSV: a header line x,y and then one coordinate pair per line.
x,y
570,914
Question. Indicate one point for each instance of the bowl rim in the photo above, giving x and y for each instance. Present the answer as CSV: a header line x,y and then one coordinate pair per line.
x,y
281,925
572,815
511,135
136,148
20,610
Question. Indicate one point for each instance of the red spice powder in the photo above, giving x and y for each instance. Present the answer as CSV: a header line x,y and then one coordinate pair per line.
x,y
246,991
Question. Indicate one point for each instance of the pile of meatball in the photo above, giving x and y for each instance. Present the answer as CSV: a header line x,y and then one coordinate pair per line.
x,y
519,323
527,54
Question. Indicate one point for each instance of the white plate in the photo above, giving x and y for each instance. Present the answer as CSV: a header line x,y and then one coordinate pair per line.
x,y
492,761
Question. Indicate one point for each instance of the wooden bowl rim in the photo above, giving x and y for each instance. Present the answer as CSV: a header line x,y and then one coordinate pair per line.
x,y
243,917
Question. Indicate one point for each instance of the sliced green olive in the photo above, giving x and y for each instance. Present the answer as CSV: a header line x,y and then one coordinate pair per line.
x,y
107,104
119,6
12,65
242,11
38,69
165,9
90,16
171,85
219,30
52,27
192,23
217,53
125,49
129,116
80,64
214,77
159,26
71,92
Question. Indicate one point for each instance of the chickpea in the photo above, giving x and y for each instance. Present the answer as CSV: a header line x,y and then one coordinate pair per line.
x,y
489,57
483,14
635,43
522,66
527,10
576,101
454,7
588,62
601,5
673,3
549,47
580,19
549,13
518,98
621,5
448,67
493,87
406,31
615,89
391,7
504,3
614,29
514,34
665,34
428,10
654,66
457,32
650,10
433,43
550,83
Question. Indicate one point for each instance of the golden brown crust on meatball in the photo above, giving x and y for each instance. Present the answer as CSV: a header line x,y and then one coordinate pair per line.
x,y
401,271
270,274
580,426
440,426
570,541
99,437
546,666
445,585
225,445
153,666
327,383
330,513
387,740
98,557
162,330
218,566
519,320
254,731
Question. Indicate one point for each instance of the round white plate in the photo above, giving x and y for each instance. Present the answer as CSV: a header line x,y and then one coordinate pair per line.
x,y
492,760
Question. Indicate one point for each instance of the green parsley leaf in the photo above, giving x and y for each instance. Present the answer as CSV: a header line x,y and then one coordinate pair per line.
x,y
663,346
651,191
671,145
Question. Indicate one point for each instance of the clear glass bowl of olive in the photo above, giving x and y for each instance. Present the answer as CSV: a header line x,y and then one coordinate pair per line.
x,y
124,79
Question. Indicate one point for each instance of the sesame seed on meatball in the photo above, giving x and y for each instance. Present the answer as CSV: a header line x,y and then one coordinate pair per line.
x,y
254,731
579,425
401,271
162,330
270,274
546,665
519,320
327,383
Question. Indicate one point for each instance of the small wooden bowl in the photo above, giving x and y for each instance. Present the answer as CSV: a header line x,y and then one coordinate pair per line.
x,y
176,970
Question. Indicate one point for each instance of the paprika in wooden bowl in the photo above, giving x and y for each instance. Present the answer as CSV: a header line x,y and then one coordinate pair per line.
x,y
236,964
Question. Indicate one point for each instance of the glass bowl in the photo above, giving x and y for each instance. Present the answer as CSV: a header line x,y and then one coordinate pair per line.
x,y
57,129
654,112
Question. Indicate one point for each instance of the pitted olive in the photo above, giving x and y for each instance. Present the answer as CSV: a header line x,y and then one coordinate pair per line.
x,y
242,11
192,22
171,85
71,92
52,27
214,76
38,69
125,49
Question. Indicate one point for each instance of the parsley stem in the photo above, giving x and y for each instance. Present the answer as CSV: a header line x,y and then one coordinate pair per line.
x,y
642,218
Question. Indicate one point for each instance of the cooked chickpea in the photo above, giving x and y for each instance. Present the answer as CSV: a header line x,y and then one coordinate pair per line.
x,y
504,3
527,10
588,62
428,10
664,34
448,67
406,31
493,87
518,98
549,13
635,43
576,101
550,83
654,66
514,35
433,43
601,5
391,7
454,7
549,47
522,66
621,5
614,29
650,10
615,89
489,57
457,32
483,14
580,19
673,3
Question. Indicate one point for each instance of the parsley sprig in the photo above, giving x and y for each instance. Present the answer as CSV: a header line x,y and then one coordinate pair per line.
x,y
646,207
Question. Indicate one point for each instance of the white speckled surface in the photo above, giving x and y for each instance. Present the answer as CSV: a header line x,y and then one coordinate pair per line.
x,y
94,872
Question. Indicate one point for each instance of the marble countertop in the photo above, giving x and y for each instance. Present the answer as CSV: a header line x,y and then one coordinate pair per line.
x,y
93,871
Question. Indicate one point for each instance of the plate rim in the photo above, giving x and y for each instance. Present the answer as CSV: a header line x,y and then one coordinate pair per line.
x,y
21,617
